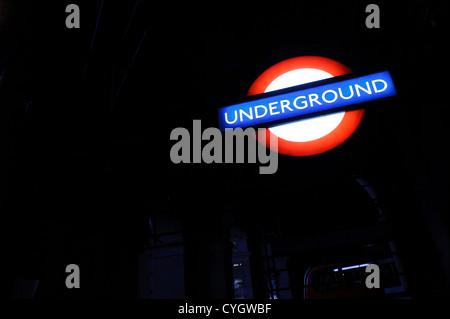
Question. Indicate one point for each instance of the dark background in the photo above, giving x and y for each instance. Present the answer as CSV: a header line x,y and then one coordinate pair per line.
x,y
87,114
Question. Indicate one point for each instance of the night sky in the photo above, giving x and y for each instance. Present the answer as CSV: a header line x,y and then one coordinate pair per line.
x,y
86,131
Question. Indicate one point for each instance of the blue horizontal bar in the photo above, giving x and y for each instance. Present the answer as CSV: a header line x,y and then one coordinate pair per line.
x,y
307,101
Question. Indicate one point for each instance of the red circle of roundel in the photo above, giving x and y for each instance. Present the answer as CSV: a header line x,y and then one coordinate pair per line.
x,y
340,134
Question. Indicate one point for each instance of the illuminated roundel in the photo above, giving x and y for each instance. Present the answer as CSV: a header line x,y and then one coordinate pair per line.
x,y
313,135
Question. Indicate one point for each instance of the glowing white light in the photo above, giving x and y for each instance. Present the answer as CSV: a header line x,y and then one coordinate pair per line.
x,y
297,77
308,129
351,267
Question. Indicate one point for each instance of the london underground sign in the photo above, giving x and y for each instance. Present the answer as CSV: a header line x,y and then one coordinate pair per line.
x,y
308,101
316,134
